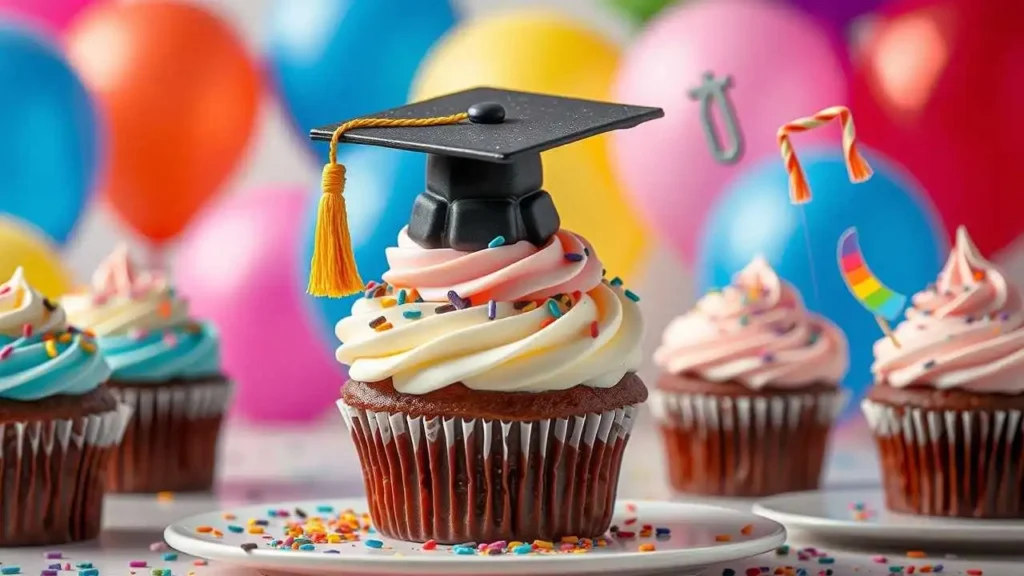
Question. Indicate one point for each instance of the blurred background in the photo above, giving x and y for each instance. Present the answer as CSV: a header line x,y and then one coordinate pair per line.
x,y
180,128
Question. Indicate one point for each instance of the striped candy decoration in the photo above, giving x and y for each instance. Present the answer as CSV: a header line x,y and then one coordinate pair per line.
x,y
799,191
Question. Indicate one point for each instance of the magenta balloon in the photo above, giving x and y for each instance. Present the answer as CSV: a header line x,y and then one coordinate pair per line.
x,y
783,66
54,14
237,265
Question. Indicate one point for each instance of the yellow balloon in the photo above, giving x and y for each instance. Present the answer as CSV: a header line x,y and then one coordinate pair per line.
x,y
542,51
21,245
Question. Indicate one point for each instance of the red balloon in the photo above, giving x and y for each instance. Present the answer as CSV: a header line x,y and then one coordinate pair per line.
x,y
940,88
179,93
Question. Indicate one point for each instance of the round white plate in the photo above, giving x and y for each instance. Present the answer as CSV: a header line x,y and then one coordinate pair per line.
x,y
860,515
692,544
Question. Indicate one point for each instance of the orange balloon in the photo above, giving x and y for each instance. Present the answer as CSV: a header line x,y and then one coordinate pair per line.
x,y
180,97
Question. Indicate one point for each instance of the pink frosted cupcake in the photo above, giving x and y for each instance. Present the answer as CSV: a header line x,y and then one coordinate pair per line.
x,y
947,402
750,390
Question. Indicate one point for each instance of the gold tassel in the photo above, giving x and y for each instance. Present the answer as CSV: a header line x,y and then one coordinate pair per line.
x,y
333,270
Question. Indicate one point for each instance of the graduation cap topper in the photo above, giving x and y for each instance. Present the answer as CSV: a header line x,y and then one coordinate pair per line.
x,y
484,172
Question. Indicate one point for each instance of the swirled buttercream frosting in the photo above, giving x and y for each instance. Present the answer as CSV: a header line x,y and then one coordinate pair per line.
x,y
757,332
966,331
40,354
143,324
515,318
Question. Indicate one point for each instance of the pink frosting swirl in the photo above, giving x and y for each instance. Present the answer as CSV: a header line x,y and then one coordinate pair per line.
x,y
519,271
757,332
963,332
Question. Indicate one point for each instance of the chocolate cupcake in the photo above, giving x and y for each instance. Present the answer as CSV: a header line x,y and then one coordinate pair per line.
x,y
948,395
58,425
750,389
167,367
492,393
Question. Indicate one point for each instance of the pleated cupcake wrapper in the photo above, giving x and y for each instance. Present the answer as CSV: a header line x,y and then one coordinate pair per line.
x,y
746,446
456,480
171,444
52,477
959,463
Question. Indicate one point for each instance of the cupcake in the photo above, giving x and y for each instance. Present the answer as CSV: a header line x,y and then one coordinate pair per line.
x,y
750,389
59,425
945,408
166,366
492,392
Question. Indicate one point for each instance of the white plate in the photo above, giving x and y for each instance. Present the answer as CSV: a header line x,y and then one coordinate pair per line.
x,y
691,546
832,514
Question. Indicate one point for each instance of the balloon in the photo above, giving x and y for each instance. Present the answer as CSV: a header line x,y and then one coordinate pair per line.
x,y
552,54
380,189
26,247
237,265
334,60
55,15
639,11
49,152
902,239
180,95
782,67
939,90
838,14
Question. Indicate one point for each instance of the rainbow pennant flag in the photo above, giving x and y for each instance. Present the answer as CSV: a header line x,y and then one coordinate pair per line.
x,y
878,298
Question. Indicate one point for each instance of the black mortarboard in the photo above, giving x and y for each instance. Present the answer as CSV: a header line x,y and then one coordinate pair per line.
x,y
484,176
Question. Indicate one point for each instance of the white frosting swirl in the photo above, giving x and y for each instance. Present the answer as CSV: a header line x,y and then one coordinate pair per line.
x,y
125,300
508,354
21,305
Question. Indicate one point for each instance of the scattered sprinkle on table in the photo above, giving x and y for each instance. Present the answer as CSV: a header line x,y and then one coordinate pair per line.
x,y
199,562
915,554
646,547
165,496
159,546
137,564
747,530
169,556
202,530
53,555
723,538
10,570
249,546
371,543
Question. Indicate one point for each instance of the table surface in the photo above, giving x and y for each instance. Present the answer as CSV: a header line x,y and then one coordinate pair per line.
x,y
267,465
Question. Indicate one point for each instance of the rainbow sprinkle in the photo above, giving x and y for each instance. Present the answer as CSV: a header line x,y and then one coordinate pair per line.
x,y
553,308
411,314
492,310
498,241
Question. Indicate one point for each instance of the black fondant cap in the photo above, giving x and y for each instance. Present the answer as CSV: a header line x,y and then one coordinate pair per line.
x,y
484,176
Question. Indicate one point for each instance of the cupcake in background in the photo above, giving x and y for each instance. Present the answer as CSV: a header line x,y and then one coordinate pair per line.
x,y
946,405
166,366
58,425
750,389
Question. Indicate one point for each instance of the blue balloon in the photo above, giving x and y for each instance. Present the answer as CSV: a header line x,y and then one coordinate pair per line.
x,y
380,187
49,151
901,237
338,59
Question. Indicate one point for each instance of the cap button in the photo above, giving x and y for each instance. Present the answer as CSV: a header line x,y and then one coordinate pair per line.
x,y
486,113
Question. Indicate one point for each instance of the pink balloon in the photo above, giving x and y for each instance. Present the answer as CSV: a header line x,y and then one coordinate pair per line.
x,y
782,65
54,14
238,264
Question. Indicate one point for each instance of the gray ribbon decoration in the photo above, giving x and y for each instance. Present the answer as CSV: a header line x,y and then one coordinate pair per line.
x,y
713,91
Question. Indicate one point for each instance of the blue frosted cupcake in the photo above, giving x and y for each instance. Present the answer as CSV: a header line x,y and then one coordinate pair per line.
x,y
166,366
59,425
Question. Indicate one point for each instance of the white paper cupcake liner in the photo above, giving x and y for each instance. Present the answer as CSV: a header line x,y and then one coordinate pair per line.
x,y
52,477
457,480
960,463
171,445
746,446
